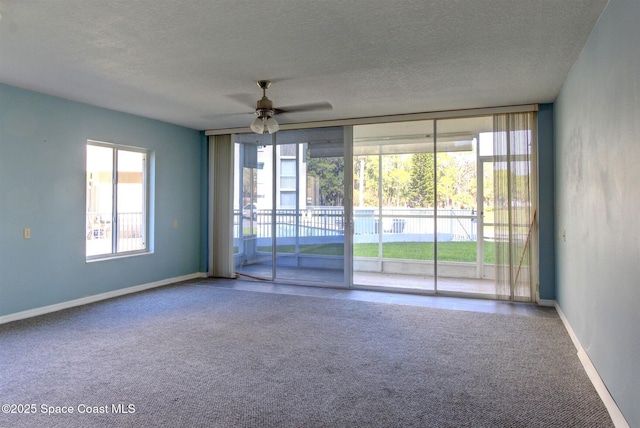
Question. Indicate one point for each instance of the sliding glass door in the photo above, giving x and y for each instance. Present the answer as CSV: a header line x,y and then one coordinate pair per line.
x,y
462,202
292,199
419,199
253,239
433,206
394,205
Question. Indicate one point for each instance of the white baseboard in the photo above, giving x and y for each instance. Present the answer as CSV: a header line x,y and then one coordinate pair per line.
x,y
96,298
614,411
547,302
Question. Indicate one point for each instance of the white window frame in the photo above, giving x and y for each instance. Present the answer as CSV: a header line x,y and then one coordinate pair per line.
x,y
145,228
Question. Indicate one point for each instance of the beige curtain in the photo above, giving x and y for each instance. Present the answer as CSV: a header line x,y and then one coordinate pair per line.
x,y
221,162
515,204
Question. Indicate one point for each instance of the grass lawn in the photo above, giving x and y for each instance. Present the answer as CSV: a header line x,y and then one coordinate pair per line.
x,y
317,249
447,251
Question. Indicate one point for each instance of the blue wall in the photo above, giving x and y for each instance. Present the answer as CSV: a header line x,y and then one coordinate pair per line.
x,y
597,203
546,204
42,186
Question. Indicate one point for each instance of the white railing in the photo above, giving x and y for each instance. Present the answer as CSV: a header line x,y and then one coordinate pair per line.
x,y
130,229
453,225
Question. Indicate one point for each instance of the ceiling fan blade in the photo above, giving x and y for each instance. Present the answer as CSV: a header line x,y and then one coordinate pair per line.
x,y
244,99
301,108
223,115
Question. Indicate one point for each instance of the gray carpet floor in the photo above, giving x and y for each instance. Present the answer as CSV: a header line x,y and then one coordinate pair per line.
x,y
194,355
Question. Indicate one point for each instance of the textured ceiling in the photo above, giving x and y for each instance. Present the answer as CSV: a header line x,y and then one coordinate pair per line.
x,y
195,62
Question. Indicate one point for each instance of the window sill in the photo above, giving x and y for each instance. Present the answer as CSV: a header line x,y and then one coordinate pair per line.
x,y
101,258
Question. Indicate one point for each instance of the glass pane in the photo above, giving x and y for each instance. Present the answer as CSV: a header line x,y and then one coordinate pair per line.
x,y
131,201
393,169
287,199
485,142
288,166
460,255
287,183
310,227
488,219
99,200
253,172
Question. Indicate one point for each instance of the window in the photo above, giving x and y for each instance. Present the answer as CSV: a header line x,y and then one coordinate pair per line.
x,y
287,199
288,174
117,195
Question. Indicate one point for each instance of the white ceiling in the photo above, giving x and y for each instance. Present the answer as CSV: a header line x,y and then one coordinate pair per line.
x,y
195,62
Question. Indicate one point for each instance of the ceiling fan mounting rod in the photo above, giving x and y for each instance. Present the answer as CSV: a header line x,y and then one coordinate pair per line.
x,y
264,84
264,106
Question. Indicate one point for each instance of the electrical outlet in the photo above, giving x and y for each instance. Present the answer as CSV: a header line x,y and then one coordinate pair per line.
x,y
26,233
175,224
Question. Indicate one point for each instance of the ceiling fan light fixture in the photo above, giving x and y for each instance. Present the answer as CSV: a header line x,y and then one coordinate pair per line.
x,y
272,125
257,125
264,122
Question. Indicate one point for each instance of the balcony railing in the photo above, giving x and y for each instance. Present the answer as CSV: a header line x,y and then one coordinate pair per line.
x,y
130,229
452,225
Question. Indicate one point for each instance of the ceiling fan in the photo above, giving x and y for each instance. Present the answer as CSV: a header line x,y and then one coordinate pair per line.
x,y
265,111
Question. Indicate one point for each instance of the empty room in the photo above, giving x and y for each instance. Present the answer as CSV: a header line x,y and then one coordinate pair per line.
x,y
295,213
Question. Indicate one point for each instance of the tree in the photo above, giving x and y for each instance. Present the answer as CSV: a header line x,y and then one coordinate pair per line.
x,y
329,173
420,193
395,179
457,181
371,185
